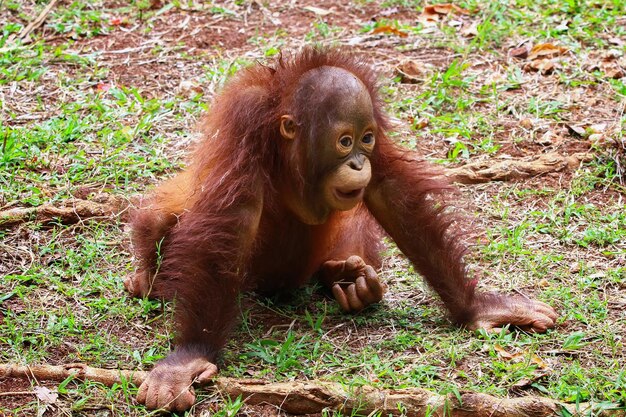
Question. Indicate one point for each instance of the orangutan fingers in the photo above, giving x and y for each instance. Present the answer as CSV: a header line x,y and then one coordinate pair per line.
x,y
366,289
151,396
547,310
354,262
341,298
355,302
376,286
364,292
542,324
141,393
207,375
353,266
182,400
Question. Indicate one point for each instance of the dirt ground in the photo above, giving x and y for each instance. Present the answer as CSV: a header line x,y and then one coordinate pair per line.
x,y
188,39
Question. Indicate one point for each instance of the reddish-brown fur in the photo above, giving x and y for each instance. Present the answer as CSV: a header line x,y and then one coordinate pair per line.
x,y
223,225
198,219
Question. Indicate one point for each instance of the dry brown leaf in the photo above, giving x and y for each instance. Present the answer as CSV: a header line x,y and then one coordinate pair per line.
x,y
45,395
410,72
598,139
541,364
615,73
521,52
431,14
420,124
598,127
471,30
576,130
519,356
546,50
546,139
389,30
502,352
544,66
526,123
446,8
318,10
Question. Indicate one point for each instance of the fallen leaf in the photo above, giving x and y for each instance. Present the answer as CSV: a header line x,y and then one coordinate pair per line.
x,y
615,73
471,30
564,26
104,87
420,124
502,352
189,88
410,72
543,66
526,123
389,30
576,130
546,139
598,127
521,52
318,10
45,395
611,55
519,356
447,8
431,14
541,364
546,50
597,138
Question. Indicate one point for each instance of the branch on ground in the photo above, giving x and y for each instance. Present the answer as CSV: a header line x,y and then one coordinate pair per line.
x,y
24,34
314,396
70,211
513,169
75,210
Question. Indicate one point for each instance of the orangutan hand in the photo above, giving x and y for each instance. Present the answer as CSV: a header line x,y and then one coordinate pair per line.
x,y
169,386
358,285
493,311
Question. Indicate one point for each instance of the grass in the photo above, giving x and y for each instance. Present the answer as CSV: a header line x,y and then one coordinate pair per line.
x,y
80,118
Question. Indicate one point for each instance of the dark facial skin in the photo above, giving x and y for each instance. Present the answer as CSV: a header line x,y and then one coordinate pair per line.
x,y
339,138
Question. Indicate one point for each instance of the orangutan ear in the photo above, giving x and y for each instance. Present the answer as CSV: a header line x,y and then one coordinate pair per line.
x,y
287,127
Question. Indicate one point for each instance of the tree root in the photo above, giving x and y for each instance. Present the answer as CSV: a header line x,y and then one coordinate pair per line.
x,y
512,169
71,211
74,210
314,396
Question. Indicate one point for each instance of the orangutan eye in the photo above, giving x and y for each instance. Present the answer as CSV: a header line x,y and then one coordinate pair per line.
x,y
368,139
345,141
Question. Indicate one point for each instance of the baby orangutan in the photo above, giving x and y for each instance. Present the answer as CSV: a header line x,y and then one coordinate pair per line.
x,y
296,177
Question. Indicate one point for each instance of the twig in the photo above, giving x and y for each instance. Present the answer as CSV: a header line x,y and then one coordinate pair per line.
x,y
74,210
314,396
71,211
38,21
511,169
